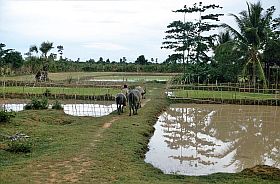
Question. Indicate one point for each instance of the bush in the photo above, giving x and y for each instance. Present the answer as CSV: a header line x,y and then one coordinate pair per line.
x,y
57,105
5,116
47,93
19,146
36,104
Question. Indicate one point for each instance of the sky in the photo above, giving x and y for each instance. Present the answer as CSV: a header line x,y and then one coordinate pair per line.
x,y
101,28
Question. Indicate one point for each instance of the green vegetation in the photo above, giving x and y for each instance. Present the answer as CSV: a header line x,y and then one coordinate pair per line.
x,y
5,116
60,90
57,105
84,150
19,146
37,104
223,95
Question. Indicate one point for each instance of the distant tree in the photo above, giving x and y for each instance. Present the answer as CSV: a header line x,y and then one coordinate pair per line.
x,y
100,60
45,47
14,59
53,56
108,60
141,60
124,59
3,53
60,51
33,49
91,60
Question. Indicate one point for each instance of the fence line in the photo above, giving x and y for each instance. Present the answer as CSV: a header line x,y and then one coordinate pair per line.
x,y
219,93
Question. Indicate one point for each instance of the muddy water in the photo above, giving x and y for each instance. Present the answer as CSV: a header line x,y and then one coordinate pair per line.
x,y
203,139
95,110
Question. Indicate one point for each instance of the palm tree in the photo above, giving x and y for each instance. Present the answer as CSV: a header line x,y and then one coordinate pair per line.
x,y
45,48
254,28
224,37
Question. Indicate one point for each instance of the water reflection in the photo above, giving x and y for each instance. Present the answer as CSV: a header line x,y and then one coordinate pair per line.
x,y
94,110
204,139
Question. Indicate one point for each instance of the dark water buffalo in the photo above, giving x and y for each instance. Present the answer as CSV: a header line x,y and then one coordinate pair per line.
x,y
142,91
134,101
121,102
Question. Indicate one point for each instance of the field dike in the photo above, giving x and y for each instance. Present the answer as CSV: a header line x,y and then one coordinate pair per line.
x,y
108,149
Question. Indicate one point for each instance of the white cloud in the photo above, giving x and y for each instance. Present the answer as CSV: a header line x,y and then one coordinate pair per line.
x,y
86,27
105,46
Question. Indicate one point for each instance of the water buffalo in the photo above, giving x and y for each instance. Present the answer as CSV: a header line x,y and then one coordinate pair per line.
x,y
141,90
121,102
134,101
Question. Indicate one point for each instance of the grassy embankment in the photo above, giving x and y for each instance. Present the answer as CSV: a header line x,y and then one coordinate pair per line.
x,y
60,90
109,149
201,94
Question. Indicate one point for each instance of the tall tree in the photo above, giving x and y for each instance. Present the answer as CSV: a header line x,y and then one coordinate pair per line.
x,y
180,38
252,36
203,42
45,48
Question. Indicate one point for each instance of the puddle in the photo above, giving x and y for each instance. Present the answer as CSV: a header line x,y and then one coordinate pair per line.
x,y
111,80
198,139
95,110
126,80
82,109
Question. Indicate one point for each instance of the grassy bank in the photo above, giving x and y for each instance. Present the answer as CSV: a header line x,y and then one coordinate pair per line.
x,y
96,150
223,95
60,90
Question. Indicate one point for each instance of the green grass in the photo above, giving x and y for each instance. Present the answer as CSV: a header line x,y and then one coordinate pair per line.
x,y
78,149
223,95
60,90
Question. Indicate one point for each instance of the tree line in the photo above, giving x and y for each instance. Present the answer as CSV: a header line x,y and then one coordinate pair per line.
x,y
249,53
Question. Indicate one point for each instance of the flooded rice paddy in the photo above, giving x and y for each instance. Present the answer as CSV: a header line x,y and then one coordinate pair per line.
x,y
198,139
97,109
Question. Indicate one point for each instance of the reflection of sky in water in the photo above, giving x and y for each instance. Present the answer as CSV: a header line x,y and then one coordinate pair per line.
x,y
95,110
204,139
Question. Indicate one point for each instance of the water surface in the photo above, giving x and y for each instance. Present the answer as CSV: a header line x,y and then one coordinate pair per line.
x,y
82,109
202,139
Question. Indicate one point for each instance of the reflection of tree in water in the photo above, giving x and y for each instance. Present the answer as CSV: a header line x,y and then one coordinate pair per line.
x,y
189,128
251,135
255,132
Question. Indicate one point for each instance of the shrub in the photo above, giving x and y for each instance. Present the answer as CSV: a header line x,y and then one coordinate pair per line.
x,y
19,146
36,104
47,93
57,105
5,116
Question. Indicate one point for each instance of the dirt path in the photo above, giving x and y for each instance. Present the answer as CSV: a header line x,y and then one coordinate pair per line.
x,y
69,170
